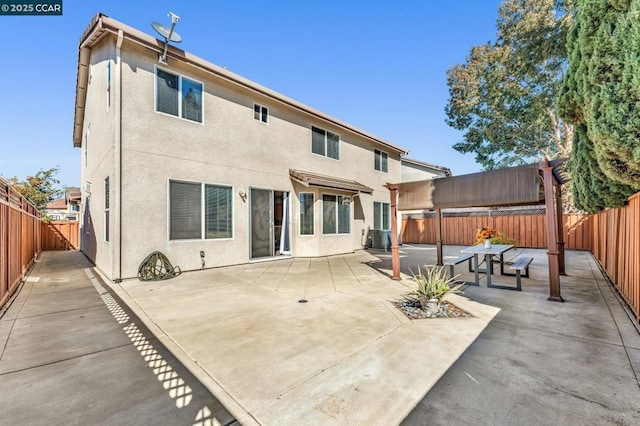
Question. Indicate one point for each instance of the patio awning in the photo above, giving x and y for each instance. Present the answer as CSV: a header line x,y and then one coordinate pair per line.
x,y
322,181
503,187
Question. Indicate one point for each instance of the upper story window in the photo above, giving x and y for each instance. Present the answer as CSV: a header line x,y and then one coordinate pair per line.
x,y
179,96
323,142
261,113
381,161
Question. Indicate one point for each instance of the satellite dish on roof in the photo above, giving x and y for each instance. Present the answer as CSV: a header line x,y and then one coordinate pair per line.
x,y
168,33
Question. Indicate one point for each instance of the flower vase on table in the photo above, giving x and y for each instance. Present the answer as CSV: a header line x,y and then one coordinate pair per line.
x,y
485,234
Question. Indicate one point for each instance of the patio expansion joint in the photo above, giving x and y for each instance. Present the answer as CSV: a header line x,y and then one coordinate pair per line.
x,y
69,358
328,367
358,278
98,305
306,275
333,281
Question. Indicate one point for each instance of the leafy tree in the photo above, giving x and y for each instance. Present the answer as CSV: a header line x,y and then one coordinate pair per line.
x,y
600,93
40,188
504,96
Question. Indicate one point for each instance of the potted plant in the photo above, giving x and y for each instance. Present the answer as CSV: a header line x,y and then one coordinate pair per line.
x,y
433,286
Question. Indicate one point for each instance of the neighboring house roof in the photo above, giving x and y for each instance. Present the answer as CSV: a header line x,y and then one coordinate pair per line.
x,y
59,204
446,170
72,193
314,179
102,25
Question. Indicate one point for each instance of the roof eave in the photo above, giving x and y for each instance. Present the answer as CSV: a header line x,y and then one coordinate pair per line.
x,y
102,23
446,170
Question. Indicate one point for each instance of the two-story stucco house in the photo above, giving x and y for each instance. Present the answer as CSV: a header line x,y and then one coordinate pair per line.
x,y
187,157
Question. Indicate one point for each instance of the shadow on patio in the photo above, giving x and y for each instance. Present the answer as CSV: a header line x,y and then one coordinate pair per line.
x,y
537,362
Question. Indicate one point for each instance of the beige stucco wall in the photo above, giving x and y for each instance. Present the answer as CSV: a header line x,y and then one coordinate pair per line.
x,y
98,141
229,148
413,172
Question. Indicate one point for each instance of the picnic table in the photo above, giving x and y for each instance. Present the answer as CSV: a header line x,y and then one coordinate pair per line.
x,y
488,253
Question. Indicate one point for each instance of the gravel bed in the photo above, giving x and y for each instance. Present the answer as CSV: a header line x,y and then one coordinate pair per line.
x,y
410,306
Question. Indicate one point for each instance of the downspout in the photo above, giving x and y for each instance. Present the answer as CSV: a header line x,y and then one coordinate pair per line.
x,y
118,166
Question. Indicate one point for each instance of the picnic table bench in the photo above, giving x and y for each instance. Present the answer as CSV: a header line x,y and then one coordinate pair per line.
x,y
521,264
462,258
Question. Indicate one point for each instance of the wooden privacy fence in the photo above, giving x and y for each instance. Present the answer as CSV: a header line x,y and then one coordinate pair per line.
x,y
62,235
527,230
20,239
616,245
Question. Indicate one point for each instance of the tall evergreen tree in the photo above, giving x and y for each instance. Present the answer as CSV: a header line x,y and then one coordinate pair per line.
x,y
592,190
613,117
504,96
591,97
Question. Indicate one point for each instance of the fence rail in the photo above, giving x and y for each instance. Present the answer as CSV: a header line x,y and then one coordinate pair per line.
x,y
20,239
616,245
527,230
60,235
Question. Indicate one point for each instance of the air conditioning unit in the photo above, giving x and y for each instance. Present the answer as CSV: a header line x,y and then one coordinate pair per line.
x,y
380,239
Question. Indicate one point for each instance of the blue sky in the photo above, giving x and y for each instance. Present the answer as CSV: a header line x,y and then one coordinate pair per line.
x,y
378,65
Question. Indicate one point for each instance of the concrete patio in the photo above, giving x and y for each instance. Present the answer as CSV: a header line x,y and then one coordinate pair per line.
x,y
346,356
349,357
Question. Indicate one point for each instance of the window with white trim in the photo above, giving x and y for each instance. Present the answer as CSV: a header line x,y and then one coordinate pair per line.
x,y
306,213
200,211
106,209
381,161
179,96
324,142
336,214
381,216
261,113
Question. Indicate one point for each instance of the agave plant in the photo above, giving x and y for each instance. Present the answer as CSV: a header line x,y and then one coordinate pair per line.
x,y
434,283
